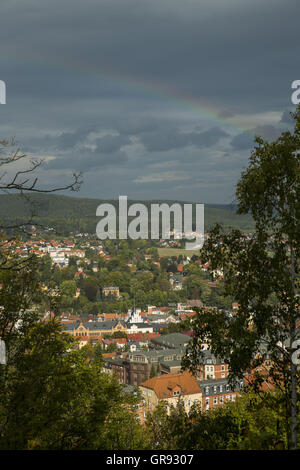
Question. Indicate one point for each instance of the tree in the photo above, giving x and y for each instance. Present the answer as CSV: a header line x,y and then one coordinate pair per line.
x,y
55,397
252,422
68,288
23,181
262,275
152,371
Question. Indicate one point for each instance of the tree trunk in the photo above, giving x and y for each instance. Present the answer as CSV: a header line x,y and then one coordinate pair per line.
x,y
294,405
293,366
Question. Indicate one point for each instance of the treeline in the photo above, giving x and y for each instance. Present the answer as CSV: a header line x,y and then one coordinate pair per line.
x,y
73,214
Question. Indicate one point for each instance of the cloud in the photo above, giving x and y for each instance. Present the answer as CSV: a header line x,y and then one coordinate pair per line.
x,y
168,139
245,140
114,88
112,143
165,176
286,118
87,160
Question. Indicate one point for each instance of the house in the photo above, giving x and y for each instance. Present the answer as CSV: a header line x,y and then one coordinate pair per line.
x,y
170,388
218,392
140,363
111,290
94,329
115,366
212,367
170,341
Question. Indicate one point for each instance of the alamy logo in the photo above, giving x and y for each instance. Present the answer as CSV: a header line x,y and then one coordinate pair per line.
x,y
157,223
295,98
2,92
2,352
296,353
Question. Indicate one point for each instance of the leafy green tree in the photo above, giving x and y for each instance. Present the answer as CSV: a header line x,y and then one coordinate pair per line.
x,y
68,288
152,371
261,274
56,397
252,422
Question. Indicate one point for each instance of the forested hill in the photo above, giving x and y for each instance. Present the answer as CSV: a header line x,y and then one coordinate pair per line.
x,y
67,213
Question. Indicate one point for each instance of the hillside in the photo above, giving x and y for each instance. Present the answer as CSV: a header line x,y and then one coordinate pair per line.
x,y
74,213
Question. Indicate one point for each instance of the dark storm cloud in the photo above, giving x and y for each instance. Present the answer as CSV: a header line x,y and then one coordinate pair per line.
x,y
227,50
112,143
286,118
207,138
106,86
165,140
86,160
69,139
246,139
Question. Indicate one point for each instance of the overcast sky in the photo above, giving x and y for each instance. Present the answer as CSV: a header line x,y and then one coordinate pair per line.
x,y
148,98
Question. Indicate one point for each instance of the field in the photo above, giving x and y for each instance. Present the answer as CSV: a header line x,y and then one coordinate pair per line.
x,y
176,252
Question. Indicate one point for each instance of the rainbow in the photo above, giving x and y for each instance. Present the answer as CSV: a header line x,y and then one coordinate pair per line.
x,y
204,108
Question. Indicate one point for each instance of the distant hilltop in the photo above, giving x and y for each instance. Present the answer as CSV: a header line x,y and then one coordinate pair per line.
x,y
79,213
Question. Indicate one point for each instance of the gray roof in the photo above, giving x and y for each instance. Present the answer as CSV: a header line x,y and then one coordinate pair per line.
x,y
175,363
159,355
172,340
95,325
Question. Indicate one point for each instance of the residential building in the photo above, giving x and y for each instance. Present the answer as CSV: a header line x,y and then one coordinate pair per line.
x,y
217,392
170,388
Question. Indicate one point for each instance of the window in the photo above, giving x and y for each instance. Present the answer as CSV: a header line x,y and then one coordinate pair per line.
x,y
207,390
215,389
207,403
222,367
221,400
233,397
221,388
223,376
227,397
215,400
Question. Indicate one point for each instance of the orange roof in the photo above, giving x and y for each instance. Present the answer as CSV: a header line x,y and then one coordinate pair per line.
x,y
111,354
164,385
120,340
134,336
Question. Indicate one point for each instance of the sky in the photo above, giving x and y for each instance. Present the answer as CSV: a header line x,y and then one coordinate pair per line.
x,y
152,99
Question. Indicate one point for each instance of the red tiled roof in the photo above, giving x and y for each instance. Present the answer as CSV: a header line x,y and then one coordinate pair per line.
x,y
164,385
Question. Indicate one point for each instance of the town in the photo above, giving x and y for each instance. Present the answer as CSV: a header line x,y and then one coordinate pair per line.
x,y
107,294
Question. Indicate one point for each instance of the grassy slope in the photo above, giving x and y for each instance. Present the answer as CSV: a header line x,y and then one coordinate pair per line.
x,y
52,207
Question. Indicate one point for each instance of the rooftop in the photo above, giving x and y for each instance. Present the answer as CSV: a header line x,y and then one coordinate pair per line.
x,y
165,385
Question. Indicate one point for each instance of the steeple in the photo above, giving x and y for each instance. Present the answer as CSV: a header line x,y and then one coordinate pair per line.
x,y
133,316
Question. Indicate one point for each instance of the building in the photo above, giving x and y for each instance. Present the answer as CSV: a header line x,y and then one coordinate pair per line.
x,y
170,388
111,291
212,367
138,364
92,329
217,392
170,341
117,367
